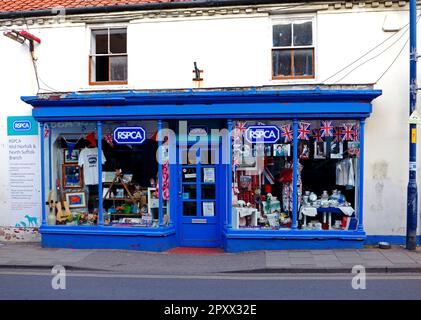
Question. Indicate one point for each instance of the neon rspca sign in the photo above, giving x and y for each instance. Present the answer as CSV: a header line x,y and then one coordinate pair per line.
x,y
129,135
262,134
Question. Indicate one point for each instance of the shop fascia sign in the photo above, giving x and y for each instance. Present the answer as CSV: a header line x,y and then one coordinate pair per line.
x,y
129,135
262,134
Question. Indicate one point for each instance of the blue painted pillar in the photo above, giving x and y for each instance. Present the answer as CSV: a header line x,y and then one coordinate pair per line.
x,y
412,190
294,224
42,154
230,168
100,209
161,198
361,178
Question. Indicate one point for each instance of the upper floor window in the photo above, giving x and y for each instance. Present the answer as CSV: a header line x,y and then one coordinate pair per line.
x,y
108,58
293,50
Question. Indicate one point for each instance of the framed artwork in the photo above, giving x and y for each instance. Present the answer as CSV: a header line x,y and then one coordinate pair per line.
x,y
303,150
336,150
281,150
71,158
319,150
76,199
72,176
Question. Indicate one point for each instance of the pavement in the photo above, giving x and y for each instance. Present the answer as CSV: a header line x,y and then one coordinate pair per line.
x,y
192,261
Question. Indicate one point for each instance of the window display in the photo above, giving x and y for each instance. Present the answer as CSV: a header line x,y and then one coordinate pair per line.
x,y
130,174
263,169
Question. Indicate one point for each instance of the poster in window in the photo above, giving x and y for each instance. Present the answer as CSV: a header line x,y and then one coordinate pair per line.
x,y
319,150
282,150
209,175
336,150
303,150
208,209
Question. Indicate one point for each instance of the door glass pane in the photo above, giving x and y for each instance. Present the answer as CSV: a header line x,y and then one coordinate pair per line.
x,y
303,34
189,192
118,68
189,208
208,191
282,35
189,175
281,60
303,62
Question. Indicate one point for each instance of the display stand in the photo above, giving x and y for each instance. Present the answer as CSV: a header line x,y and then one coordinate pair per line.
x,y
118,180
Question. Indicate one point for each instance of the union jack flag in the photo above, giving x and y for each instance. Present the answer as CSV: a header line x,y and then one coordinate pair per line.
x,y
357,135
304,131
287,133
347,132
337,134
109,139
238,130
316,135
326,129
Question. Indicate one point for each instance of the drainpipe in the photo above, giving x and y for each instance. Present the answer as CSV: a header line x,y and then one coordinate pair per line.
x,y
412,197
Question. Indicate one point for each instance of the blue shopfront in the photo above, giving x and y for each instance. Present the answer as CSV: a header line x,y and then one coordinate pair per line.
x,y
241,169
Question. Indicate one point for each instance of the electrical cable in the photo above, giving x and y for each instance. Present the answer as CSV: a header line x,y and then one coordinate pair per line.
x,y
372,58
365,54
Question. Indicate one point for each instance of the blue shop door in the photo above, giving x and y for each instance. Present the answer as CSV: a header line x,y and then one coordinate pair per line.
x,y
200,181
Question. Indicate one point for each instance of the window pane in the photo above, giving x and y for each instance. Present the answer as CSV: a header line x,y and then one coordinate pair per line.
x,y
118,41
208,191
101,44
189,208
100,67
281,60
282,35
303,62
303,35
118,68
189,192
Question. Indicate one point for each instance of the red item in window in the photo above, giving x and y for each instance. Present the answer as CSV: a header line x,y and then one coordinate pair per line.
x,y
286,176
91,138
268,188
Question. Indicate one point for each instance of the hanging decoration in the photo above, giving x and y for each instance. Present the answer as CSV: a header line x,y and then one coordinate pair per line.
x,y
347,132
357,135
304,131
317,136
326,129
287,133
337,134
91,139
109,139
46,131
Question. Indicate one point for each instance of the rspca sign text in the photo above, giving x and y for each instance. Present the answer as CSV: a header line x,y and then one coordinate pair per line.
x,y
129,135
262,134
22,126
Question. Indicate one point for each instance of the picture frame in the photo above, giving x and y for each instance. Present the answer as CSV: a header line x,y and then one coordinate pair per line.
x,y
76,199
303,150
336,149
72,176
320,150
74,157
281,150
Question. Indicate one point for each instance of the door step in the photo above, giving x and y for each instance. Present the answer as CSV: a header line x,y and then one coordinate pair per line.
x,y
194,250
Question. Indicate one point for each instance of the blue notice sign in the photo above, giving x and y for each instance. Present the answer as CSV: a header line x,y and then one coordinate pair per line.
x,y
129,135
262,134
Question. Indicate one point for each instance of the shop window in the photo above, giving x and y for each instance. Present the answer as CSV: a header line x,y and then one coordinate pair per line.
x,y
108,58
262,174
328,175
131,175
71,181
326,182
293,49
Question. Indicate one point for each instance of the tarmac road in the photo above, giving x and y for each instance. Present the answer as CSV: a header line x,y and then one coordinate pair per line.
x,y
23,284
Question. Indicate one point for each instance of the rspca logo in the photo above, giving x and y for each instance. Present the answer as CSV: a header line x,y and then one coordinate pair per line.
x,y
262,134
22,125
129,135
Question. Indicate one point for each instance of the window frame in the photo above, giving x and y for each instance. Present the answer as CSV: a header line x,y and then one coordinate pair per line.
x,y
292,20
109,54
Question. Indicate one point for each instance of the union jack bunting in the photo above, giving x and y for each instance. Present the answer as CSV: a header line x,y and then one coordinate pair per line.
x,y
347,132
109,139
316,135
357,135
304,131
287,133
326,129
337,134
